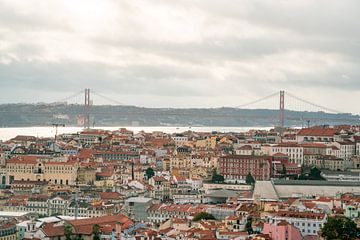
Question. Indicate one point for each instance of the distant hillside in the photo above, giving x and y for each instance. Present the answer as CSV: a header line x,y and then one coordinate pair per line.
x,y
16,115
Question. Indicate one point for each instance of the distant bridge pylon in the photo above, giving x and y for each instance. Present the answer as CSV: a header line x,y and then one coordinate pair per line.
x,y
284,101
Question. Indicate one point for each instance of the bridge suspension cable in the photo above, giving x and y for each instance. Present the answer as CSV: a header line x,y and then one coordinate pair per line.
x,y
70,97
258,100
107,98
326,109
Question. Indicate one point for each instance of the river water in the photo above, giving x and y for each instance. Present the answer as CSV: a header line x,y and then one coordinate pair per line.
x,y
8,133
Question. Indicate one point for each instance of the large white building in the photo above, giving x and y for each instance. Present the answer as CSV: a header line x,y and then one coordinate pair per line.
x,y
347,149
307,222
294,151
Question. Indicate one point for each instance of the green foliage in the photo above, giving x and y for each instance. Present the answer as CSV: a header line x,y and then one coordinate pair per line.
x,y
68,229
283,170
248,226
250,179
217,178
340,228
303,177
203,216
149,173
315,174
96,232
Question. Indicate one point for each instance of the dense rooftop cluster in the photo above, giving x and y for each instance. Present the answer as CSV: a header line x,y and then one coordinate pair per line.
x,y
194,185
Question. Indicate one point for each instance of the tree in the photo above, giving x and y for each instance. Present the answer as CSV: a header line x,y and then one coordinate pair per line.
x,y
340,228
78,237
203,216
149,173
250,179
283,171
315,174
248,226
68,230
303,177
216,178
96,232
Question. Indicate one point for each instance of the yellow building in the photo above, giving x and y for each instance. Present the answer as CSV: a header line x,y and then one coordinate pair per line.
x,y
166,164
180,162
33,168
86,175
209,143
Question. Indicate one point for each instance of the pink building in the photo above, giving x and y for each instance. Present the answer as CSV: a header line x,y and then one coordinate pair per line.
x,y
282,231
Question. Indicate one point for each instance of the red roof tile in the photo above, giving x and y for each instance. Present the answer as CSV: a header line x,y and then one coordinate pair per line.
x,y
317,131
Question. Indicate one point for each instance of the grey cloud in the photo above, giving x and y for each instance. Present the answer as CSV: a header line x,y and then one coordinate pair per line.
x,y
194,68
136,79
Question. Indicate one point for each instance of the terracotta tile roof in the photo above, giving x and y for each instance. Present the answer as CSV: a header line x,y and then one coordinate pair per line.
x,y
288,144
26,159
70,163
234,233
308,215
110,195
84,226
317,131
314,145
23,138
179,221
324,199
53,229
159,179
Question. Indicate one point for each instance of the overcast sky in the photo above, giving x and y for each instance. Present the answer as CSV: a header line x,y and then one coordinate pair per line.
x,y
163,53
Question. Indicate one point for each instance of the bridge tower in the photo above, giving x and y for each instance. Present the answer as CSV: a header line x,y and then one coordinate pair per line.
x,y
87,107
282,108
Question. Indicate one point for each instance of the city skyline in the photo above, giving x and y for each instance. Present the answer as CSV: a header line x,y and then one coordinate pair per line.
x,y
183,54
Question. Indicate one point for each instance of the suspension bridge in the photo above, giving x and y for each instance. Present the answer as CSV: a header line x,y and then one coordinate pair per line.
x,y
279,108
281,101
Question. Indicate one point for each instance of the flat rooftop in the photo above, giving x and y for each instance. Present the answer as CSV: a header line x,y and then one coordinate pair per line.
x,y
315,183
12,214
138,199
